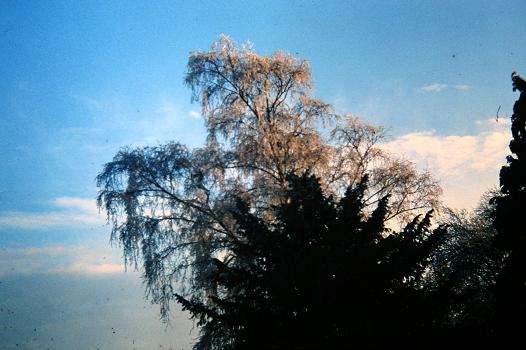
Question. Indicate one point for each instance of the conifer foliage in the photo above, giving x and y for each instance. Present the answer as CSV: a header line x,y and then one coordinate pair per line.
x,y
322,275
510,223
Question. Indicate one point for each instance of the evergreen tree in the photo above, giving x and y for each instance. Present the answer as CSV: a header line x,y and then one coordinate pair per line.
x,y
322,275
511,225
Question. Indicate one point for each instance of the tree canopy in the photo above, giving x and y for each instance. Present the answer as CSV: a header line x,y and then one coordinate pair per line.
x,y
277,233
171,208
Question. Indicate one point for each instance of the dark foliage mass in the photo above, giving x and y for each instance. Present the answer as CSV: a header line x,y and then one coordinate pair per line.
x,y
464,269
322,275
510,224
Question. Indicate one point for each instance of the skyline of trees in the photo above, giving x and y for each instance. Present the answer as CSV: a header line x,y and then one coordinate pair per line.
x,y
249,231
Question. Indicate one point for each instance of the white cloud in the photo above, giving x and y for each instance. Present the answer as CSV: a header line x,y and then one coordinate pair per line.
x,y
442,87
434,88
462,87
466,165
84,268
69,212
83,204
33,221
61,259
194,114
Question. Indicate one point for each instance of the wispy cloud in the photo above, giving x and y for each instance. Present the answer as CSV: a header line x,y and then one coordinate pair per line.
x,y
467,165
60,259
65,212
83,204
194,114
434,88
462,87
87,268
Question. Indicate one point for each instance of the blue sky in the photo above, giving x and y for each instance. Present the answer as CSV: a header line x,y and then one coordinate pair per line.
x,y
79,80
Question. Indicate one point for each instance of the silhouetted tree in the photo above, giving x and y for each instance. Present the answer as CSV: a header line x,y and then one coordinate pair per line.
x,y
510,223
477,275
171,208
322,275
463,272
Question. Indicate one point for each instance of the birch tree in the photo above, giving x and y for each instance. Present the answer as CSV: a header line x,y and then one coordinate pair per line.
x,y
170,207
